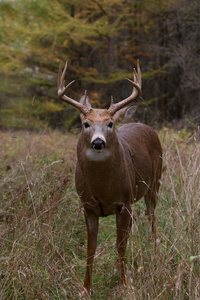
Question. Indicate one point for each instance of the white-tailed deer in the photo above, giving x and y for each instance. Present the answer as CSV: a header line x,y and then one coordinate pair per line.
x,y
115,167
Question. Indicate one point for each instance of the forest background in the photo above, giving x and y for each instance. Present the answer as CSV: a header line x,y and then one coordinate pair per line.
x,y
101,40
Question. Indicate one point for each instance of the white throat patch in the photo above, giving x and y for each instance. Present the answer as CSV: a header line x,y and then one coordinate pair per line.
x,y
97,155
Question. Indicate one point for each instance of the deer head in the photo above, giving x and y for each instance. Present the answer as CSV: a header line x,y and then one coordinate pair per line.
x,y
98,125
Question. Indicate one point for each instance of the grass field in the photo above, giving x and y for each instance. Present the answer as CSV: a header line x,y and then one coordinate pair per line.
x,y
43,233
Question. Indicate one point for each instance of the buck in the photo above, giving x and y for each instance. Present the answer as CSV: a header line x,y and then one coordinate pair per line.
x,y
115,168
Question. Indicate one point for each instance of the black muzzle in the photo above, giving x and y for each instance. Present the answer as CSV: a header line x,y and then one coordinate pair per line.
x,y
98,144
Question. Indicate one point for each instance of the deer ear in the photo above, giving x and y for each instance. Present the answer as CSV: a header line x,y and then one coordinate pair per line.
x,y
125,115
85,101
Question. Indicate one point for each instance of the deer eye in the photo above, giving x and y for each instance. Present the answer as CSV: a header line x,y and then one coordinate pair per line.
x,y
110,125
86,125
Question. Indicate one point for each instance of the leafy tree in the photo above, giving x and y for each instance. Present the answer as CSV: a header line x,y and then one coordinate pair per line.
x,y
102,40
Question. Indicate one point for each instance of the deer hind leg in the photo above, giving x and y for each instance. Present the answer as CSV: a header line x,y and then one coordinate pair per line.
x,y
151,202
123,218
92,231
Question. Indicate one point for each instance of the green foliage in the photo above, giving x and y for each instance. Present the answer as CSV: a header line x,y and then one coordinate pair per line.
x,y
102,40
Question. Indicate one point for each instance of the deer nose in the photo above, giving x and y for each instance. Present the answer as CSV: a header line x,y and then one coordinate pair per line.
x,y
98,144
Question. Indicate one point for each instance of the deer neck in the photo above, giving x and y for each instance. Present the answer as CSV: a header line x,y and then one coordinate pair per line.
x,y
99,163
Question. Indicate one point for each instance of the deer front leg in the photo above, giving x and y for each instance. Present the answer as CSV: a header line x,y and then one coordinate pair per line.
x,y
123,218
92,231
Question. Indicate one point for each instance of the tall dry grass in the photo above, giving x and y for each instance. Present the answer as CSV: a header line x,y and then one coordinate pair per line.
x,y
43,234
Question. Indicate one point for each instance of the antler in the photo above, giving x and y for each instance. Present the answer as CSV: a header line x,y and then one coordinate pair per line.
x,y
62,89
137,84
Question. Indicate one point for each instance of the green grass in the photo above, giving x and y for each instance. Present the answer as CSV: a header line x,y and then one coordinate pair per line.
x,y
43,233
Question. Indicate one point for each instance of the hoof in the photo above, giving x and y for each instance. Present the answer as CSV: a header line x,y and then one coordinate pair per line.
x,y
84,294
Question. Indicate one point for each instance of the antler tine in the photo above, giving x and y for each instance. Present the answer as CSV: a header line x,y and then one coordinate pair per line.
x,y
114,107
139,74
61,82
85,98
64,72
59,74
111,101
135,76
62,89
